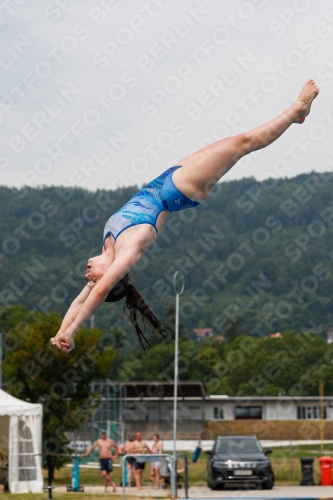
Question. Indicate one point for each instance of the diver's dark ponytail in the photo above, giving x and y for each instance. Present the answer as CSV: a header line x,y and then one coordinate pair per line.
x,y
138,311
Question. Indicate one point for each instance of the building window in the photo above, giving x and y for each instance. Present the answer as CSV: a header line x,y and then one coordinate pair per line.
x,y
248,412
310,412
301,412
218,413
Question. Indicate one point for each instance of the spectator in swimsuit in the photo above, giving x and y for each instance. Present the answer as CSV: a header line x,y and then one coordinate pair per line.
x,y
139,447
131,230
130,460
155,466
105,445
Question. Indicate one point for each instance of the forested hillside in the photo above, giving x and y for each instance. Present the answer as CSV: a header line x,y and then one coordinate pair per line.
x,y
256,256
291,364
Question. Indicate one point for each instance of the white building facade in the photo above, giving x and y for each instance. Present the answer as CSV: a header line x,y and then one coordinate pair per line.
x,y
144,404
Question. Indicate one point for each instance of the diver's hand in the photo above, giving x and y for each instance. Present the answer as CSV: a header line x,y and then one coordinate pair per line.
x,y
64,342
92,283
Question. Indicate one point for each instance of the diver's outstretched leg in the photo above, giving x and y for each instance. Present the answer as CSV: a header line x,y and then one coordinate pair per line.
x,y
203,169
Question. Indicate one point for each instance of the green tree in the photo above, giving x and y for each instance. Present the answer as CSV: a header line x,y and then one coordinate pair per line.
x,y
10,316
195,362
170,320
247,366
292,365
37,372
234,331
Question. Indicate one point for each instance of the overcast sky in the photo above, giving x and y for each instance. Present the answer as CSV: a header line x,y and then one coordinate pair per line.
x,y
106,93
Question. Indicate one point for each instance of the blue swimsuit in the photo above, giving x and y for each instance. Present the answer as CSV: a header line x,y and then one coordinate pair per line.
x,y
144,208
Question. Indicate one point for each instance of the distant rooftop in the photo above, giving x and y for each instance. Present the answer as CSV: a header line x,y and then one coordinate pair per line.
x,y
162,390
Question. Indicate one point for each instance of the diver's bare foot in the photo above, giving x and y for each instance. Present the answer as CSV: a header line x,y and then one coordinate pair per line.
x,y
308,93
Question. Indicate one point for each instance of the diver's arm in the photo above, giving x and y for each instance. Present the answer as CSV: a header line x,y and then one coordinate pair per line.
x,y
74,308
119,268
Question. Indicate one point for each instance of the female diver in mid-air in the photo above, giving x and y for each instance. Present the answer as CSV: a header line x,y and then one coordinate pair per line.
x,y
130,231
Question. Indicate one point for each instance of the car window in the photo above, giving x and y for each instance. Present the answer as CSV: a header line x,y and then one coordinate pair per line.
x,y
238,446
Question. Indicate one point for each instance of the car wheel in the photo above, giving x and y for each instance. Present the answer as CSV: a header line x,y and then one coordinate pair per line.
x,y
218,486
268,486
211,486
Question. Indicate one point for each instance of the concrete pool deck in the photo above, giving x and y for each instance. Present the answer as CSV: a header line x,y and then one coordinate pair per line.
x,y
200,492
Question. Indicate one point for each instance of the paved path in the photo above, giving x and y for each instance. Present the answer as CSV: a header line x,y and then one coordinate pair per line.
x,y
202,492
284,491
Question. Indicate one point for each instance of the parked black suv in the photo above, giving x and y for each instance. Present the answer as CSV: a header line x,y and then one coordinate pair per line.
x,y
239,460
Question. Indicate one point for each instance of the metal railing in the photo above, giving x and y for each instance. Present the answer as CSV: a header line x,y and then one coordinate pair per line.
x,y
50,469
152,458
184,457
147,458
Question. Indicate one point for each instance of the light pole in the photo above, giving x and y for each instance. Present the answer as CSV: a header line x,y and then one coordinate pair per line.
x,y
178,274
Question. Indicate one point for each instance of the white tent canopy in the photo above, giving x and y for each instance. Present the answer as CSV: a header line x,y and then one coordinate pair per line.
x,y
21,439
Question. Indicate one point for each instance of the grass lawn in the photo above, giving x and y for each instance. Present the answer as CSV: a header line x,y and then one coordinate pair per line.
x,y
93,476
286,466
70,496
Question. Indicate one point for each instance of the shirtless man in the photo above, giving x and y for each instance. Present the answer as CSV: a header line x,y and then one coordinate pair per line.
x,y
139,447
105,457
